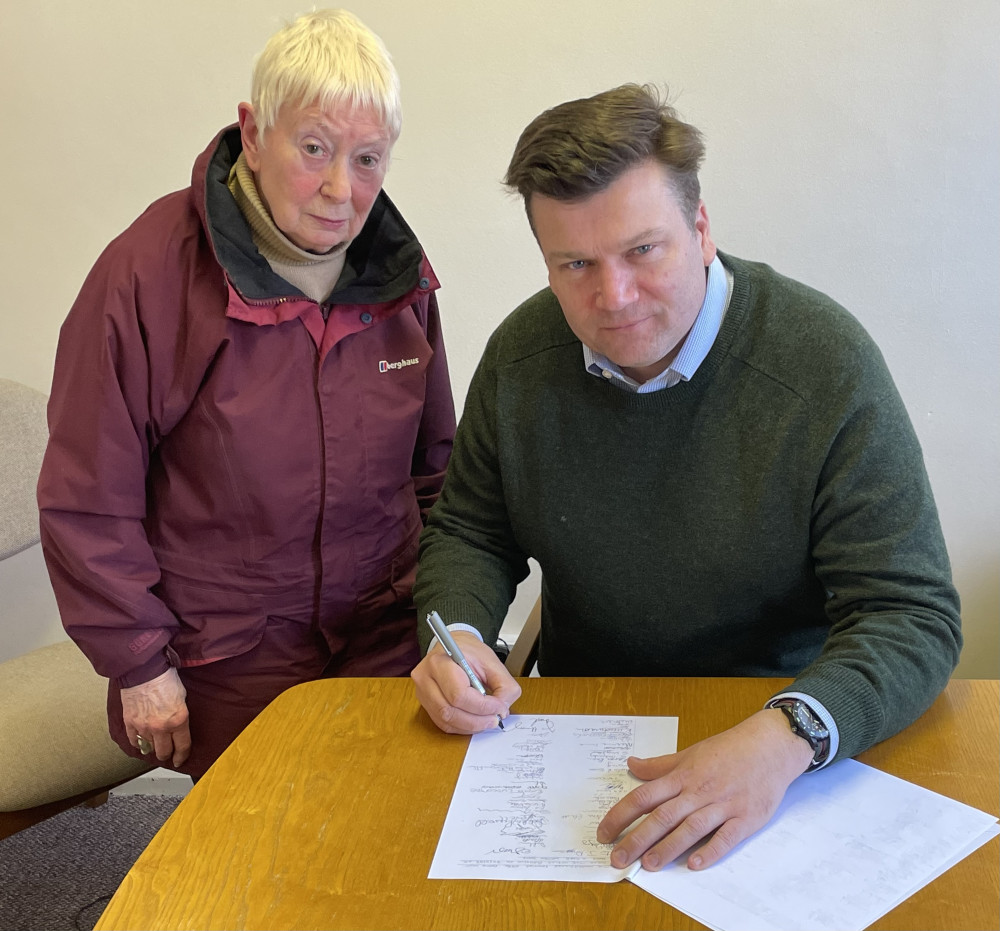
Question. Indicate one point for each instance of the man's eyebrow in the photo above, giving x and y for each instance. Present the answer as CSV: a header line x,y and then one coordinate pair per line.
x,y
646,236
565,256
640,239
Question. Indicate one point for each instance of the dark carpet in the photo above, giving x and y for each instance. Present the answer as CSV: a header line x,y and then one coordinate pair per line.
x,y
59,875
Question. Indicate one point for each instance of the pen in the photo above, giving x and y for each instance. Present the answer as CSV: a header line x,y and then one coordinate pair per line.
x,y
451,648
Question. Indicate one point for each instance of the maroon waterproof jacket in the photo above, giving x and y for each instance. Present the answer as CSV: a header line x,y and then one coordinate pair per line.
x,y
223,448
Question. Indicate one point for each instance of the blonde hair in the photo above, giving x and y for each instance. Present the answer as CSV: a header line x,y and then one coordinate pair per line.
x,y
327,56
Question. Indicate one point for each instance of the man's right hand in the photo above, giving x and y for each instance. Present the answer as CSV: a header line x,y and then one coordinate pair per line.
x,y
454,705
156,710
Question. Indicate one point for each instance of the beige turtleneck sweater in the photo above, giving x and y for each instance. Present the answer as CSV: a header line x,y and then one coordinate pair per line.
x,y
314,275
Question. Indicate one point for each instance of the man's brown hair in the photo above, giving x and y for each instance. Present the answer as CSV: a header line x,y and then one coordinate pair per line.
x,y
578,148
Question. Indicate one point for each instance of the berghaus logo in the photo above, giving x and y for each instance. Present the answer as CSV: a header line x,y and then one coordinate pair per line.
x,y
384,366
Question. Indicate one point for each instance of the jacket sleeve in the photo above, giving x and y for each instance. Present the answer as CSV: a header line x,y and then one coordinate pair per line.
x,y
437,426
92,486
470,563
879,552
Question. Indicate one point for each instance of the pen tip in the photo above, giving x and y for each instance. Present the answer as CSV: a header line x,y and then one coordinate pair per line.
x,y
500,722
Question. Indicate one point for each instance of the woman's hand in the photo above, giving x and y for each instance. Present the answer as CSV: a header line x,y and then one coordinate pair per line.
x,y
157,712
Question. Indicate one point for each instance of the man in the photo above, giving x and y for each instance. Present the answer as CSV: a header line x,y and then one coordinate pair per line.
x,y
251,414
715,473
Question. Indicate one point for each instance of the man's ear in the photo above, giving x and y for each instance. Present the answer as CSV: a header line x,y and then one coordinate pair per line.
x,y
250,135
704,230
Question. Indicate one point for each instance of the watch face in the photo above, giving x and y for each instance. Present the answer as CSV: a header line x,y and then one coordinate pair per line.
x,y
808,723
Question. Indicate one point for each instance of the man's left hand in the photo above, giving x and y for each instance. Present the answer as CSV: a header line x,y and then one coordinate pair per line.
x,y
723,788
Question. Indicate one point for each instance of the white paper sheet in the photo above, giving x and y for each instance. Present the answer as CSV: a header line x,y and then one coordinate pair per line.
x,y
846,845
529,798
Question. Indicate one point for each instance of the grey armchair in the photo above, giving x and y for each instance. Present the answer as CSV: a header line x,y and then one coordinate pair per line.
x,y
55,751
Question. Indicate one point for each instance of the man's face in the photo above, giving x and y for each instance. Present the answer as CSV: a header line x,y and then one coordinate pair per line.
x,y
318,172
627,268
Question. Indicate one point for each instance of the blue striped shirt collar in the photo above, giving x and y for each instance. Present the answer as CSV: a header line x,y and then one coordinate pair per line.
x,y
695,348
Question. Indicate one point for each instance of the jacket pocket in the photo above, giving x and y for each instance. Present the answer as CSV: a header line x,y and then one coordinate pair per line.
x,y
215,623
381,639
391,582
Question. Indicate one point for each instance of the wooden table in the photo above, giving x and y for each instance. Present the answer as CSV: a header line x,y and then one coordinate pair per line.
x,y
327,810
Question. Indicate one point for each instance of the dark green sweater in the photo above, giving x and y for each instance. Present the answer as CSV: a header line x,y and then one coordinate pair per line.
x,y
771,517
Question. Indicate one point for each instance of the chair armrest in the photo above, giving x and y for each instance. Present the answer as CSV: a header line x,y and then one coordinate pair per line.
x,y
54,741
524,653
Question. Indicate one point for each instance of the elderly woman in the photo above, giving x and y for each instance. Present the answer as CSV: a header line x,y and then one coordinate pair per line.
x,y
251,414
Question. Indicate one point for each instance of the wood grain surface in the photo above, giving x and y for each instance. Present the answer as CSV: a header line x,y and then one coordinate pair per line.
x,y
326,813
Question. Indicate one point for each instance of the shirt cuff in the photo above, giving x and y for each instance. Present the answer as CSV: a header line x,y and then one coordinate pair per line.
x,y
466,627
820,711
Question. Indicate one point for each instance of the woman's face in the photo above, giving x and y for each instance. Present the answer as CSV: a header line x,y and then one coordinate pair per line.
x,y
318,171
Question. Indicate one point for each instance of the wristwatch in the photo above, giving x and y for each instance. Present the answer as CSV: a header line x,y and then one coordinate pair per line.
x,y
805,724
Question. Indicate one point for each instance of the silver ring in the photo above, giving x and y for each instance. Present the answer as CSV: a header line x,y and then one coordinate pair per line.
x,y
144,745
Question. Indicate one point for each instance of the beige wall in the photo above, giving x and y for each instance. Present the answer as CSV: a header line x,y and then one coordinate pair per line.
x,y
852,145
